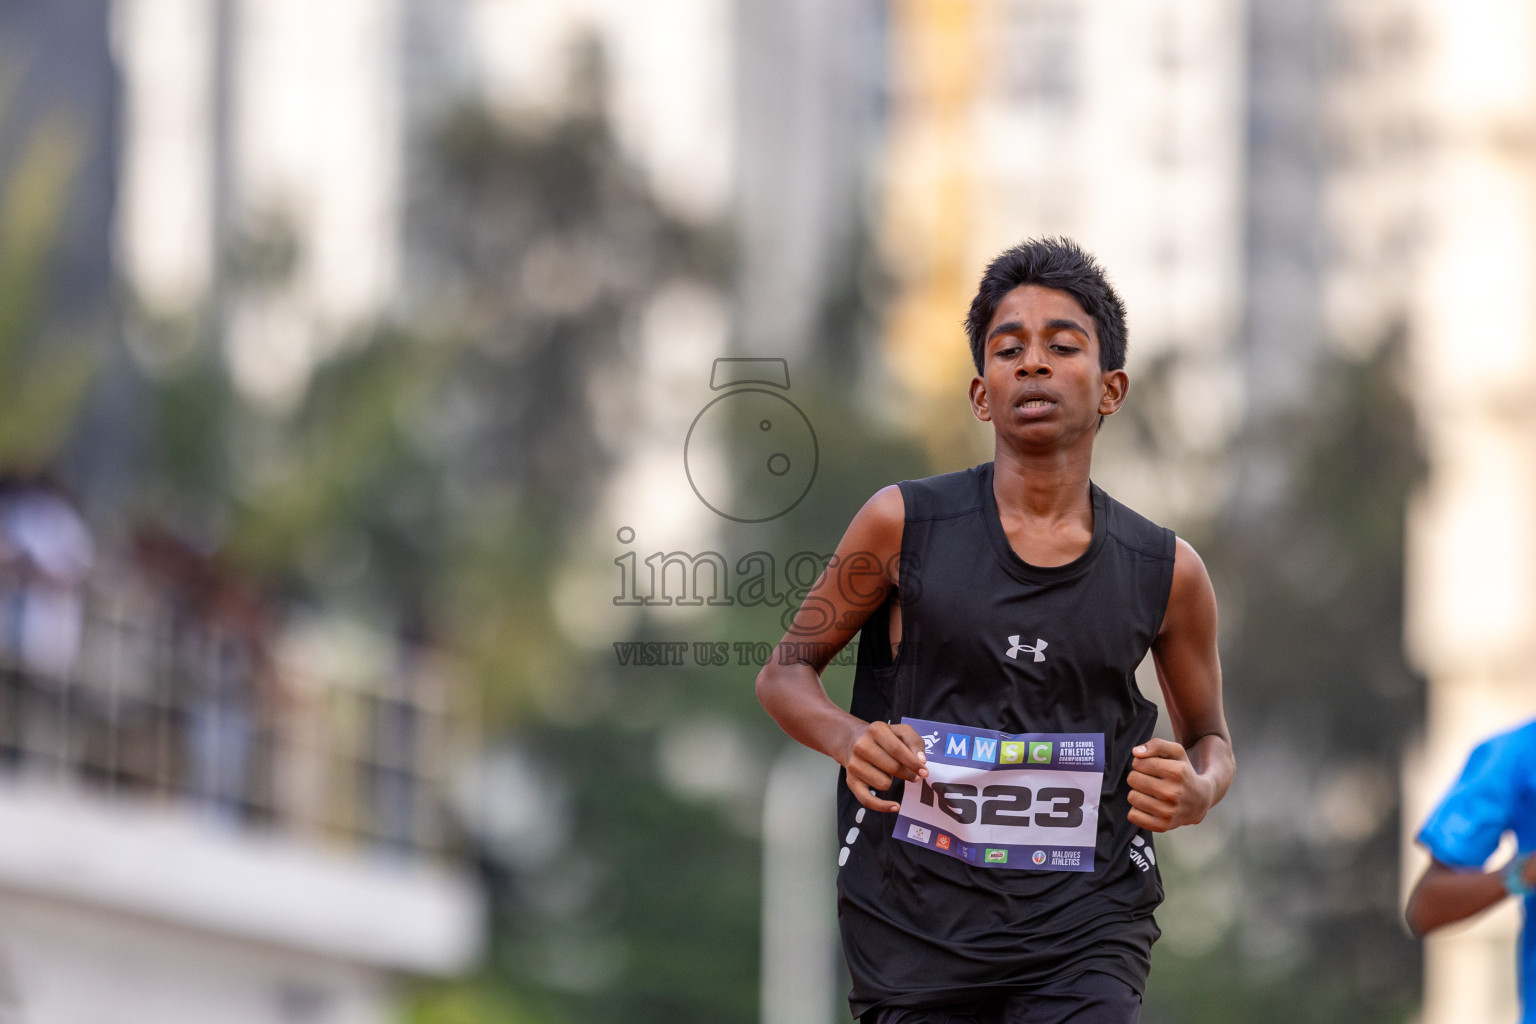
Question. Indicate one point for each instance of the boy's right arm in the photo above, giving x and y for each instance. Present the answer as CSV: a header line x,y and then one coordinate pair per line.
x,y
1445,895
1463,832
854,585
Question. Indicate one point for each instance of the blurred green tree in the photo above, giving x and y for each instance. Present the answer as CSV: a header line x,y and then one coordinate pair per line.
x,y
649,911
1292,899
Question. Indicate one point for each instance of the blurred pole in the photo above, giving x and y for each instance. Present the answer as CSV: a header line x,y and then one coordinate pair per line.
x,y
10,1000
799,944
225,49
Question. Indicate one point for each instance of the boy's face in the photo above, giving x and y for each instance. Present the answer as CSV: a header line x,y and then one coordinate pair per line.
x,y
1040,382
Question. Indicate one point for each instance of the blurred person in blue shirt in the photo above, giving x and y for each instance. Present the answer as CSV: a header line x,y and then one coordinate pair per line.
x,y
1495,794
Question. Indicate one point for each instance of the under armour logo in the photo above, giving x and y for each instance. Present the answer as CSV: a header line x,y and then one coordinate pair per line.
x,y
1038,650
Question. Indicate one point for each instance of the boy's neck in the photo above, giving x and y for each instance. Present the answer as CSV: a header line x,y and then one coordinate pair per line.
x,y
1045,485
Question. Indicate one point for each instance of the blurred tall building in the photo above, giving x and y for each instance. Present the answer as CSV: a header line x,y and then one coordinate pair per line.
x,y
55,71
1246,172
58,111
811,83
208,817
1333,212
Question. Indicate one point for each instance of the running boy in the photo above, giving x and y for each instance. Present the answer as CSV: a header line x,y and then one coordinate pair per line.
x,y
1007,874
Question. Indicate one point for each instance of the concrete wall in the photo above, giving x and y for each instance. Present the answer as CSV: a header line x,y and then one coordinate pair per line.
x,y
111,910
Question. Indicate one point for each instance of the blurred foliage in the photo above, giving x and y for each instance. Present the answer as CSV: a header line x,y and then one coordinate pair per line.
x,y
650,911
43,378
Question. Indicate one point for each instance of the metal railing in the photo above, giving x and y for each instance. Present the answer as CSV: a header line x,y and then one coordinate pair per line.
x,y
119,688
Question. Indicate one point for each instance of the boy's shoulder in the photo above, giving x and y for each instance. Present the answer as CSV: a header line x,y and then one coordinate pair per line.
x,y
945,495
1134,530
1510,751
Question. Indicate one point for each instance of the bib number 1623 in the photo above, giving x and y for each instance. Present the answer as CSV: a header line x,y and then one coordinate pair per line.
x,y
1006,805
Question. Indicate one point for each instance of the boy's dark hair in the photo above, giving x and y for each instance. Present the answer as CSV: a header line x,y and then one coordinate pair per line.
x,y
1051,263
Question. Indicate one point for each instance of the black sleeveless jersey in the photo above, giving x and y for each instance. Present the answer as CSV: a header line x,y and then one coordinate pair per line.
x,y
920,928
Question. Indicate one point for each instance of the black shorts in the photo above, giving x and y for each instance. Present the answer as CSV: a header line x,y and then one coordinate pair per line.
x,y
1091,998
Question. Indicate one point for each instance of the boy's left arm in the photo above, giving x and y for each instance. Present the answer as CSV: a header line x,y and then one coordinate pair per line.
x,y
1175,784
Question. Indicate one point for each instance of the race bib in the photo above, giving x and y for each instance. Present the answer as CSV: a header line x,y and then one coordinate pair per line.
x,y
996,800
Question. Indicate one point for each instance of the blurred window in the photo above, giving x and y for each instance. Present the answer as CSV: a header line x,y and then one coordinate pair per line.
x,y
1040,55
